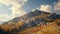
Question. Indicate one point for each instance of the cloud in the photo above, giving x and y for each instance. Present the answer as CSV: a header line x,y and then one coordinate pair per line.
x,y
4,17
33,9
17,10
57,6
12,2
46,8
16,6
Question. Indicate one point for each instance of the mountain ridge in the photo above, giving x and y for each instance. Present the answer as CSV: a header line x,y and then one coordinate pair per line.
x,y
31,14
31,20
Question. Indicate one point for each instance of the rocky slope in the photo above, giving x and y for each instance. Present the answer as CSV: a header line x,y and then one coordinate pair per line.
x,y
36,22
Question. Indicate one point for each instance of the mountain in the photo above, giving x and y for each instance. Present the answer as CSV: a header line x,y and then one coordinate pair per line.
x,y
31,21
28,17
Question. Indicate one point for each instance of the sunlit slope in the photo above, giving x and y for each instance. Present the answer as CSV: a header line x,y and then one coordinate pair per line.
x,y
37,22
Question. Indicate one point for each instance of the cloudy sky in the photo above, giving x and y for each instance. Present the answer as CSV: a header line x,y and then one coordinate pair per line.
x,y
14,8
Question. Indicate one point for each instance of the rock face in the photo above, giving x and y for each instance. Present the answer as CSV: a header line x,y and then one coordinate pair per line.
x,y
32,22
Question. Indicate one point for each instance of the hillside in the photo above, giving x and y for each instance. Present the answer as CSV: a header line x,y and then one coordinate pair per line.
x,y
36,22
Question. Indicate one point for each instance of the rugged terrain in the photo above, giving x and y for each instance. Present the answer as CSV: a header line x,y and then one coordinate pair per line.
x,y
36,22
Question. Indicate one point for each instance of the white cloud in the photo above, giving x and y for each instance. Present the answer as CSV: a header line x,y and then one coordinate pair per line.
x,y
4,17
16,6
12,2
17,9
46,8
57,6
33,9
